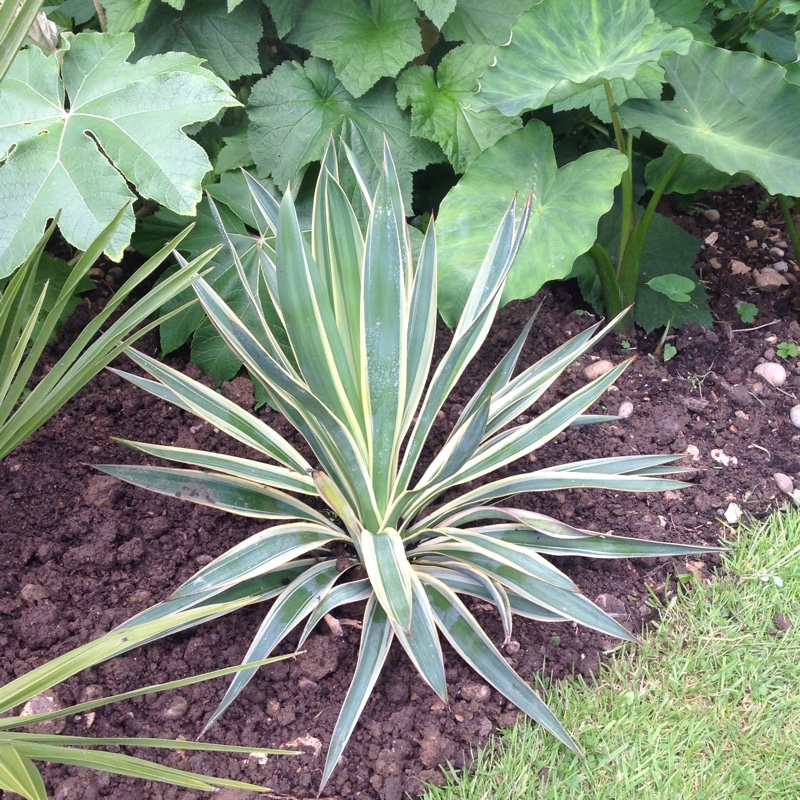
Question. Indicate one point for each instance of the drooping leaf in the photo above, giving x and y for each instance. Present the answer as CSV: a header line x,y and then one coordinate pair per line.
x,y
648,83
694,175
295,109
364,41
735,110
479,22
440,105
134,112
567,204
560,49
227,40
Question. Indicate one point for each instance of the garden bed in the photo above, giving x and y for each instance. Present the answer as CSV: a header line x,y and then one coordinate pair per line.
x,y
82,552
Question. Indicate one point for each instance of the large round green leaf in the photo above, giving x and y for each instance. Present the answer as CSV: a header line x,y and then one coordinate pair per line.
x,y
567,204
563,47
735,110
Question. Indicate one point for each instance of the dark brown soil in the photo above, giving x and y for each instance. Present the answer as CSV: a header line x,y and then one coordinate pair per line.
x,y
81,552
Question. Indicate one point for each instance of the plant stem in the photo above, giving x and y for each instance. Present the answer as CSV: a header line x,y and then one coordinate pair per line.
x,y
612,299
743,22
628,218
786,209
629,267
628,214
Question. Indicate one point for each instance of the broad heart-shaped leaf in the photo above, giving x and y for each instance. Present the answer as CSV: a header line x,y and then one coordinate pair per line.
x,y
440,106
561,48
365,41
479,22
735,110
133,113
437,11
567,203
296,108
668,249
227,40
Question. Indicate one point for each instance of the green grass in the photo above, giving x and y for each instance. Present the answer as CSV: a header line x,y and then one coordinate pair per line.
x,y
707,707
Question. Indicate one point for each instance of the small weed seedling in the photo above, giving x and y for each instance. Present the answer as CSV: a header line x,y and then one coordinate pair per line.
x,y
677,289
747,312
786,350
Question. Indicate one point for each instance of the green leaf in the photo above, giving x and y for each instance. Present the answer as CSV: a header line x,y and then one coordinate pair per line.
x,y
285,14
440,105
560,49
228,493
389,573
227,40
134,112
293,605
295,109
472,644
18,774
376,637
122,15
694,175
675,287
775,40
735,110
365,41
437,11
479,22
567,204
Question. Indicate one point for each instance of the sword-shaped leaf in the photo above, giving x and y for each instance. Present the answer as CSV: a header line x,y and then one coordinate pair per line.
x,y
224,492
389,572
294,604
376,637
475,647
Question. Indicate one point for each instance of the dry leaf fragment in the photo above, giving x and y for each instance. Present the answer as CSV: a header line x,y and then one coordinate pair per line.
x,y
739,267
712,237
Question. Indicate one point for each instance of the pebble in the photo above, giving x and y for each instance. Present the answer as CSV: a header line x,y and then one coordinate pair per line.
x,y
176,709
477,692
794,416
597,369
711,214
625,409
776,253
772,373
513,645
783,482
33,594
770,278
44,703
780,266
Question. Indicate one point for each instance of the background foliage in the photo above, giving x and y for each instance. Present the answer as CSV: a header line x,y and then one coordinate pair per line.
x,y
476,102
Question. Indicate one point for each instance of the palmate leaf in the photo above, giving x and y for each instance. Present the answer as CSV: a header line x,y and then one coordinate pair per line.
x,y
437,11
566,205
365,42
440,105
134,112
228,40
295,109
721,101
559,49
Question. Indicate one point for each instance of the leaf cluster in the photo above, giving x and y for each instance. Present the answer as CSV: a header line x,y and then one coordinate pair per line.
x,y
352,371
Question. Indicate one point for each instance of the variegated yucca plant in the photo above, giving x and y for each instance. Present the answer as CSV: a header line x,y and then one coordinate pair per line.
x,y
349,366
